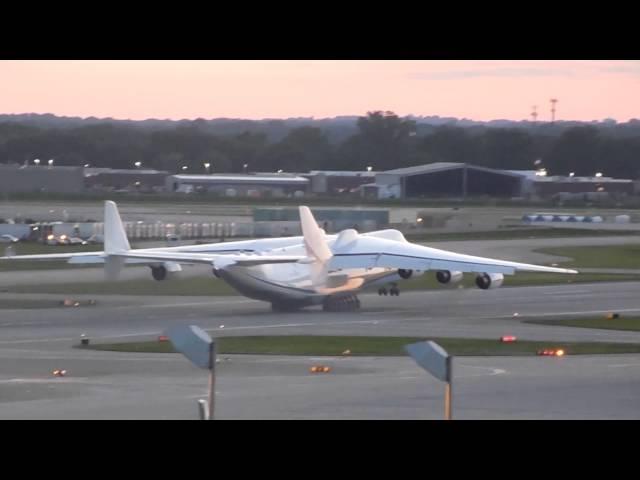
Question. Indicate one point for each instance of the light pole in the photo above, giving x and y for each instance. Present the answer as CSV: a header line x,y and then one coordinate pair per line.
x,y
50,162
208,167
138,164
369,168
184,168
244,167
37,161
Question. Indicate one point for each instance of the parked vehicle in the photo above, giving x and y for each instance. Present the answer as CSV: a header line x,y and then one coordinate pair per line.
x,y
6,238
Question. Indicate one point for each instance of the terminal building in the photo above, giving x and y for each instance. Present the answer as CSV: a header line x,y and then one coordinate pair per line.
x,y
237,185
127,180
40,179
574,187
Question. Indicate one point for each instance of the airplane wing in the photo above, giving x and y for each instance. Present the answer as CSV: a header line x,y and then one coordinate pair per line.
x,y
155,256
118,252
208,258
78,257
359,251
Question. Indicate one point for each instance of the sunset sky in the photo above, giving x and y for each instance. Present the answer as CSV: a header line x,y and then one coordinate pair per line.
x,y
478,90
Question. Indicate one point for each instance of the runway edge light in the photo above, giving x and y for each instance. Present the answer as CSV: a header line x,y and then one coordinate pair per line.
x,y
508,338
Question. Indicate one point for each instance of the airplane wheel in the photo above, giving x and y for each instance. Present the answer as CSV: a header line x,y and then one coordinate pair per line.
x,y
350,303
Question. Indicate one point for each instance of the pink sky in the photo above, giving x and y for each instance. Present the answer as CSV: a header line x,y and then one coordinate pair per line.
x,y
479,90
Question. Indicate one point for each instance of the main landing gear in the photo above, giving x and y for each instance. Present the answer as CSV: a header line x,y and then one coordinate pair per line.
x,y
349,303
393,291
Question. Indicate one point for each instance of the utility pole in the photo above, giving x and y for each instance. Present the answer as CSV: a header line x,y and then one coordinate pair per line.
x,y
553,109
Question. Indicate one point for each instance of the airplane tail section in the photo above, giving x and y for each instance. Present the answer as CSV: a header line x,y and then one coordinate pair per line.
x,y
115,237
314,239
316,246
115,241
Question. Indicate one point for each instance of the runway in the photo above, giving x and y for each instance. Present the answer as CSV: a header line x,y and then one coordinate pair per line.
x,y
440,312
123,385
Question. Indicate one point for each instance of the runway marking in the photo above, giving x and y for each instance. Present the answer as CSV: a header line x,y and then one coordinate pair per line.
x,y
39,340
584,312
193,304
45,380
623,365
494,371
146,334
285,325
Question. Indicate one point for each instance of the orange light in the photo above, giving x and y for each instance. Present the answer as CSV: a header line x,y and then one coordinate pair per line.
x,y
326,369
559,353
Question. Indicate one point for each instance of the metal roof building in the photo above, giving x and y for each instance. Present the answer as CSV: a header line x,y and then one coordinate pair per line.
x,y
51,179
231,185
447,179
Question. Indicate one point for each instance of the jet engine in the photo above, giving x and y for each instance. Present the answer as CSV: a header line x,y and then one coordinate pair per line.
x,y
486,281
164,270
406,274
446,277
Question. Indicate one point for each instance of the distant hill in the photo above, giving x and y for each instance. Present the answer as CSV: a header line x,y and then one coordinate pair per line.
x,y
380,140
336,128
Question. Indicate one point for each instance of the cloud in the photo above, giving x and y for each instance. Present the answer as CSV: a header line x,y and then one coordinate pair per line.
x,y
632,69
504,72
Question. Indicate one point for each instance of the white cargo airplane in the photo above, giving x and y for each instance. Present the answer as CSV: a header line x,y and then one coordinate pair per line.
x,y
296,272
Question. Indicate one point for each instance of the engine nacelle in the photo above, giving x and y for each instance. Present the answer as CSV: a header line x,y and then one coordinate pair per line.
x,y
405,274
164,270
445,276
486,281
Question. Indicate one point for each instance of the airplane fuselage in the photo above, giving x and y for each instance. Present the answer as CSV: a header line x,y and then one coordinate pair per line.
x,y
292,282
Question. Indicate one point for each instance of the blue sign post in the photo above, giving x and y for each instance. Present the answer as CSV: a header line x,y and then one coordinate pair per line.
x,y
195,344
435,360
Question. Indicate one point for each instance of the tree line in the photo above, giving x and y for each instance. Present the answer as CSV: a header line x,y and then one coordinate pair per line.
x,y
380,140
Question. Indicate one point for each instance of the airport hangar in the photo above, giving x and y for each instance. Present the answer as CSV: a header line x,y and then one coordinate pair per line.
x,y
446,179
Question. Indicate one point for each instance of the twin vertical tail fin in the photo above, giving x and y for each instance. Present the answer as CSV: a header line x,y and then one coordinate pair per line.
x,y
115,241
316,245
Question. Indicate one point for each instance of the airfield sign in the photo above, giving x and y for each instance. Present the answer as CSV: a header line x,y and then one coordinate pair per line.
x,y
196,344
435,360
